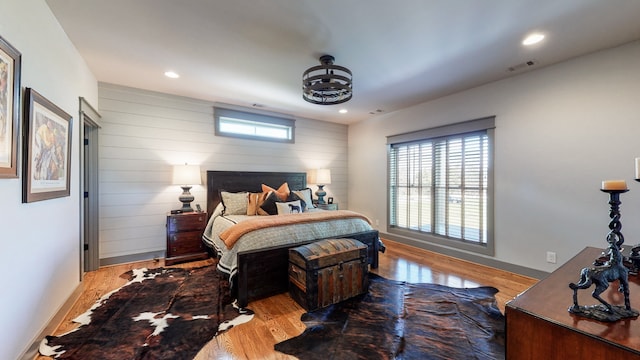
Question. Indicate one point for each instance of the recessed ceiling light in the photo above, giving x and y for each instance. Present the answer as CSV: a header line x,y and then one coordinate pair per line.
x,y
171,74
533,39
343,111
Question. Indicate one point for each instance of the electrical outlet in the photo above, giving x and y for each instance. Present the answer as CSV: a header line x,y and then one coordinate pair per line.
x,y
551,257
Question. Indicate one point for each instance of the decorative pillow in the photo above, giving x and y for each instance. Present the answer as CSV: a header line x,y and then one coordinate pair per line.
x,y
268,207
218,210
234,203
305,195
282,192
254,200
293,197
289,207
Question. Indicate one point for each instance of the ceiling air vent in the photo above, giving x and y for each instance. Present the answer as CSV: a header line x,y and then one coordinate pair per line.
x,y
522,66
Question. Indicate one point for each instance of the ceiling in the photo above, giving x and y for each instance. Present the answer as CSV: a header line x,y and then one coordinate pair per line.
x,y
401,53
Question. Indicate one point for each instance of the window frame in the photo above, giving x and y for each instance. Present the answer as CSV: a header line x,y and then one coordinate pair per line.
x,y
487,125
266,119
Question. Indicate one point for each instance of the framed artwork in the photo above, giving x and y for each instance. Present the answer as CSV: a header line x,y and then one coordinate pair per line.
x,y
10,60
47,149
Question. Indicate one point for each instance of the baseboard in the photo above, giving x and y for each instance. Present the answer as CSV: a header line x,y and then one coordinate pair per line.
x,y
517,269
32,351
153,255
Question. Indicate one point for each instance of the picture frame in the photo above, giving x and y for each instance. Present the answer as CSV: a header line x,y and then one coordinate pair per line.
x,y
47,149
10,70
330,200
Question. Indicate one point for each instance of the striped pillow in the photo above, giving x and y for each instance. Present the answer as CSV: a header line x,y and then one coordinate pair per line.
x,y
254,202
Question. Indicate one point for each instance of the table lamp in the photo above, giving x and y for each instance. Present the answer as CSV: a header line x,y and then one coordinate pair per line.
x,y
186,176
323,177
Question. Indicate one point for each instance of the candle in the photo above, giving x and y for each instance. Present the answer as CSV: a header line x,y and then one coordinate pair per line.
x,y
638,168
614,185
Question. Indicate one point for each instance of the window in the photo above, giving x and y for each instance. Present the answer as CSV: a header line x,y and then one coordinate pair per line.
x,y
440,185
255,126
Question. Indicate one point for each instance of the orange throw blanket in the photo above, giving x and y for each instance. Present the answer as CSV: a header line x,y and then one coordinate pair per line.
x,y
231,235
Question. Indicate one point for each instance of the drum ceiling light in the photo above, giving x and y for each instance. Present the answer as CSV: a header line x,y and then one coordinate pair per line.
x,y
327,84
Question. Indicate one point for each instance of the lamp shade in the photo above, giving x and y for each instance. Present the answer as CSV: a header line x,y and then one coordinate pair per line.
x,y
186,175
323,176
311,176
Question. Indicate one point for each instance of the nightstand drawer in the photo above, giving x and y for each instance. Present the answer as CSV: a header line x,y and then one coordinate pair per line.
x,y
187,222
186,242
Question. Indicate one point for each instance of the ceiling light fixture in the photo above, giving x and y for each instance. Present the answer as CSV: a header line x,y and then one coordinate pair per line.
x,y
343,111
327,84
533,39
171,74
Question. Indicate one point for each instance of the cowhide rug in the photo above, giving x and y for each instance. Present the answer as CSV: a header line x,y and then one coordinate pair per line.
x,y
399,320
164,313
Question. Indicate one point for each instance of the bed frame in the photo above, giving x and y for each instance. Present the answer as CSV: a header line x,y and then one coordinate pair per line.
x,y
264,272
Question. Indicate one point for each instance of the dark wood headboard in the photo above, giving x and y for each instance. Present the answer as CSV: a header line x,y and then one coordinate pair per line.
x,y
251,181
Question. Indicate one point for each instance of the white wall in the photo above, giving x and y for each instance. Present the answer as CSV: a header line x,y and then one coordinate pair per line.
x,y
560,131
40,241
144,133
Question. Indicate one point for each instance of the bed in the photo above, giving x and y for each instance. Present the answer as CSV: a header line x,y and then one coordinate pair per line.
x,y
257,264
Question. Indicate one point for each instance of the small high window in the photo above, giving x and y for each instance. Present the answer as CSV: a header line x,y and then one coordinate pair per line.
x,y
246,125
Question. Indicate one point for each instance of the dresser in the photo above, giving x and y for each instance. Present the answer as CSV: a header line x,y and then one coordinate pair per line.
x,y
184,237
539,325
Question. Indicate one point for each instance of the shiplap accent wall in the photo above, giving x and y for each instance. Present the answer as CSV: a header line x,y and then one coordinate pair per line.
x,y
145,133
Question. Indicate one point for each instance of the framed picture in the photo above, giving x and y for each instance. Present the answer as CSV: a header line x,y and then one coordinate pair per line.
x,y
330,200
47,149
10,60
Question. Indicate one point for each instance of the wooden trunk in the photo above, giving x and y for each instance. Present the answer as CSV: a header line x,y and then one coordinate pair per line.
x,y
265,272
327,272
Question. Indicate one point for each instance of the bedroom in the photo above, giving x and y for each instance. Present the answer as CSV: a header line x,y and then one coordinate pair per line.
x,y
563,129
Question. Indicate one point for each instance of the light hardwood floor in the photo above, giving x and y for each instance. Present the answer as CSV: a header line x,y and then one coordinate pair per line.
x,y
278,318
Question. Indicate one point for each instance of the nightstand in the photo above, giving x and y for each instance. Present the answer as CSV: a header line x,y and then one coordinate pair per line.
x,y
333,206
184,237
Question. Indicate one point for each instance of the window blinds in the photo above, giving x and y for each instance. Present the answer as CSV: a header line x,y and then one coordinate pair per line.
x,y
440,185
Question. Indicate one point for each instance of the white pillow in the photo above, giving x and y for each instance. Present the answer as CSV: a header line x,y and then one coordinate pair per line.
x,y
291,207
305,195
218,210
234,203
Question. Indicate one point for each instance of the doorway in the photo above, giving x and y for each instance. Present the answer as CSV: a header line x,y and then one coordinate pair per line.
x,y
89,194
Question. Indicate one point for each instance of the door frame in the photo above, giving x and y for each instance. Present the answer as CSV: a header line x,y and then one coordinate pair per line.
x,y
89,190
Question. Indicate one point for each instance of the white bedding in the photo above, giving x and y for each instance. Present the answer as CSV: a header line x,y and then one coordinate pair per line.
x,y
274,236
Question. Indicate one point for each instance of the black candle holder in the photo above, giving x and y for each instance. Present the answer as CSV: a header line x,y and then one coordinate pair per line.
x,y
608,268
614,224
